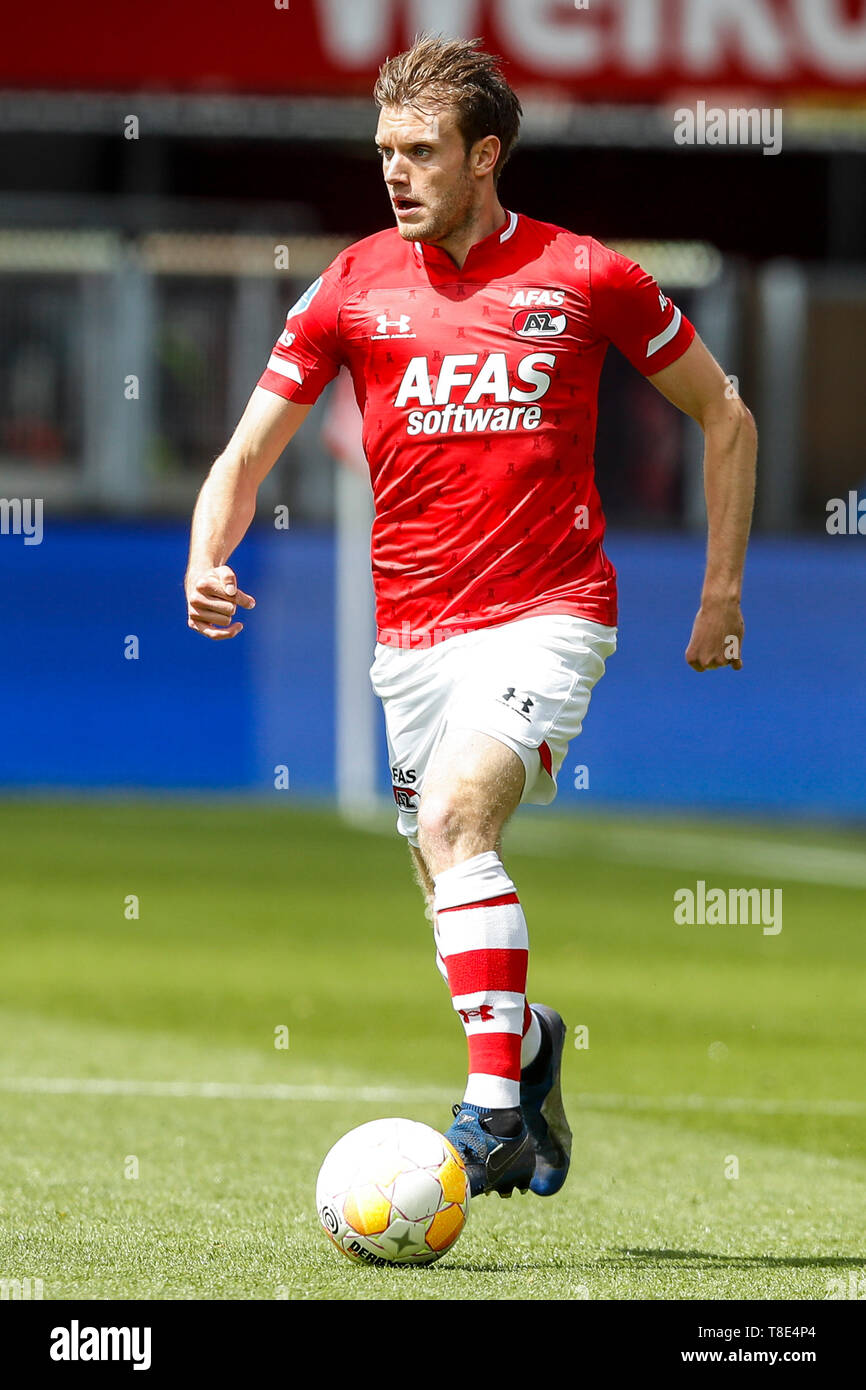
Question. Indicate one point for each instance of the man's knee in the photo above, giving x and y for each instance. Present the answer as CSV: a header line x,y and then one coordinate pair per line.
x,y
470,791
440,818
453,821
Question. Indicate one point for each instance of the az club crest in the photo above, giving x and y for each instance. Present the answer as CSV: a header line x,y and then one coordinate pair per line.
x,y
539,323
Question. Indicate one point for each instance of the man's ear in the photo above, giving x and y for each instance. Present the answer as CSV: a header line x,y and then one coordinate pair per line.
x,y
484,155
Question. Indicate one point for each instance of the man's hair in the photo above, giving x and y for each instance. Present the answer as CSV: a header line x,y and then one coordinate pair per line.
x,y
459,74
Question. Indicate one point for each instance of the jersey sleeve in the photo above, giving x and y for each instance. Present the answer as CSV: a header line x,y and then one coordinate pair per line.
x,y
630,311
308,354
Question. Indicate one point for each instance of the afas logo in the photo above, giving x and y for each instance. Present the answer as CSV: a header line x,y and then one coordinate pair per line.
x,y
495,397
539,299
535,320
539,323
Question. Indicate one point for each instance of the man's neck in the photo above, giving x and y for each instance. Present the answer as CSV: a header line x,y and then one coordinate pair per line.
x,y
460,243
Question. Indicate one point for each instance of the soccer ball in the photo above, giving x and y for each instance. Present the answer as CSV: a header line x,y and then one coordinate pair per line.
x,y
393,1192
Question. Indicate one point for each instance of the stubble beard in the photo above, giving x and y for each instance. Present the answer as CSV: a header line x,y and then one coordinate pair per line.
x,y
453,216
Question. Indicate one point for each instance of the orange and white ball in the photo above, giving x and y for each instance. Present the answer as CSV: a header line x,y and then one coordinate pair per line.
x,y
393,1192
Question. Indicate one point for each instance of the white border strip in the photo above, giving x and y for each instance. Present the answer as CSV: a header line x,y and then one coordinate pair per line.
x,y
666,334
289,369
511,228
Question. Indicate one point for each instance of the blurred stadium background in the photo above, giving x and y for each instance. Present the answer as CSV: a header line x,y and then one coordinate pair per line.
x,y
171,177
149,179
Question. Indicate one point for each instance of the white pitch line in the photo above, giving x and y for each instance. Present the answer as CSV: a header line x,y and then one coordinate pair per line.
x,y
676,848
210,1090
750,1105
672,846
228,1090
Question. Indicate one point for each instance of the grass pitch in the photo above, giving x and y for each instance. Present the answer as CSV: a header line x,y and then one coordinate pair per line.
x,y
155,1143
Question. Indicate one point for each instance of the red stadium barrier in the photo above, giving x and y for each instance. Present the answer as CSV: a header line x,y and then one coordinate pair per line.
x,y
621,49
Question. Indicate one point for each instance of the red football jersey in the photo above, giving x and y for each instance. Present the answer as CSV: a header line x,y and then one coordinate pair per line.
x,y
479,391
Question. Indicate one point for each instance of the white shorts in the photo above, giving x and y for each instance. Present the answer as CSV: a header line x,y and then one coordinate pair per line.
x,y
526,683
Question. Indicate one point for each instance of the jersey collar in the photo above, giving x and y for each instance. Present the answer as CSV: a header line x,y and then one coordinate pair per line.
x,y
483,253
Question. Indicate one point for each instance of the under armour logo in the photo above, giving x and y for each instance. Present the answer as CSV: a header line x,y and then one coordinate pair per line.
x,y
483,1014
400,325
527,704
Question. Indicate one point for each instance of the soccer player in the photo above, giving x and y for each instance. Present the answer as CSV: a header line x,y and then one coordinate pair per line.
x,y
475,338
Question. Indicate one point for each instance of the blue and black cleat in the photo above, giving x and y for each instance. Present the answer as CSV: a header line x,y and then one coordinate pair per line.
x,y
541,1103
493,1163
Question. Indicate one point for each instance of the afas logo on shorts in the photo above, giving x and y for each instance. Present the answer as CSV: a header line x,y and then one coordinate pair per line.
x,y
405,797
539,323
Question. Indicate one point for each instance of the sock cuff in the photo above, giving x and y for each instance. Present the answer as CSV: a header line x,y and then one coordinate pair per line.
x,y
483,876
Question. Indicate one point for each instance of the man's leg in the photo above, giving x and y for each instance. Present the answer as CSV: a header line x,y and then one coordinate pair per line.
x,y
423,879
532,1036
473,784
469,784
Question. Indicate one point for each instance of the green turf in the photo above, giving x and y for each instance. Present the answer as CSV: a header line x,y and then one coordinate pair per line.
x,y
704,1043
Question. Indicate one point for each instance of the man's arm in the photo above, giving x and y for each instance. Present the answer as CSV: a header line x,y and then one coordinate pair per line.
x,y
698,386
225,507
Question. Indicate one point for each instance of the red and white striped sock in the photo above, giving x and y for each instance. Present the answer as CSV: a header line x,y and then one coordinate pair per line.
x,y
531,1044
483,945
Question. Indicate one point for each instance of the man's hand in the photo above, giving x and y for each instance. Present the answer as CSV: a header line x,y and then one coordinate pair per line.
x,y
212,600
226,506
717,637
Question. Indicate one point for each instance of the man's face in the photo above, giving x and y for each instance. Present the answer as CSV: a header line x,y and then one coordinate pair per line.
x,y
426,171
